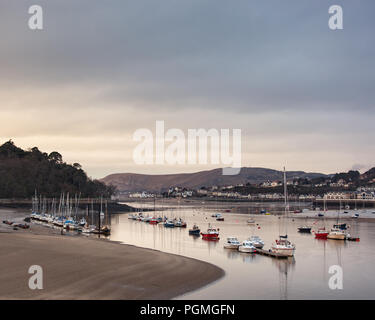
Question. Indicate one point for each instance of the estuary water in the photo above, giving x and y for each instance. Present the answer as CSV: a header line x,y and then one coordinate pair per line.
x,y
252,276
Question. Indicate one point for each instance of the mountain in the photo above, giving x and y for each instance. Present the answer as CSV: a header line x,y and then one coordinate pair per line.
x,y
24,172
125,182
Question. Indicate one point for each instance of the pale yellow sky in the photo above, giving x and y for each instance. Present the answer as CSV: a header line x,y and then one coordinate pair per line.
x,y
97,73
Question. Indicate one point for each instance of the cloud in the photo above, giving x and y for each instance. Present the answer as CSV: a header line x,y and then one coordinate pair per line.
x,y
273,69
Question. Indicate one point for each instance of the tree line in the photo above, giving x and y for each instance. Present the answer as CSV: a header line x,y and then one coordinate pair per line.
x,y
24,172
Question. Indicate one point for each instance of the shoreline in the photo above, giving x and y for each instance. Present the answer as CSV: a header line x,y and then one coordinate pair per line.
x,y
81,268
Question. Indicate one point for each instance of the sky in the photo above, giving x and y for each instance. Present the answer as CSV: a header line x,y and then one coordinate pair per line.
x,y
302,94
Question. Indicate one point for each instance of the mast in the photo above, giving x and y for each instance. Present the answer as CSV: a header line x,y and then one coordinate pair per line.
x,y
285,202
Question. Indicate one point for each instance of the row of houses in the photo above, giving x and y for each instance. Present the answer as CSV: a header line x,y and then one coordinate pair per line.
x,y
363,195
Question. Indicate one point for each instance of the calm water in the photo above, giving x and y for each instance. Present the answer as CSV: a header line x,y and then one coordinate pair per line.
x,y
258,277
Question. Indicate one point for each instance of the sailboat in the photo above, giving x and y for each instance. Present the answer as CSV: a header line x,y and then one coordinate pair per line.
x,y
337,232
322,233
283,246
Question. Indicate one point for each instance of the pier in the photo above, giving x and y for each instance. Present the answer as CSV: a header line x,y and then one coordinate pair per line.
x,y
271,254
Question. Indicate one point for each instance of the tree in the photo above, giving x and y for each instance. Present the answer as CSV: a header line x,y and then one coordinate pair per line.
x,y
55,157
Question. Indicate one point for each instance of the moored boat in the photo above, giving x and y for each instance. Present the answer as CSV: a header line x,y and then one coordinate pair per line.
x,y
256,241
232,243
219,217
169,224
180,223
195,231
247,247
336,234
154,221
284,247
304,229
211,234
321,233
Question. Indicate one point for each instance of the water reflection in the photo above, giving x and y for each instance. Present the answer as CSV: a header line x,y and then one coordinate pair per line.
x,y
232,254
247,257
250,276
285,267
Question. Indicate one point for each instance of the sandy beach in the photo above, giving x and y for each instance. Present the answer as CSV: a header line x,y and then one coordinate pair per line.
x,y
78,267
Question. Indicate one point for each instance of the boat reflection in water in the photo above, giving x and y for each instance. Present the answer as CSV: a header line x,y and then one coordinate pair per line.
x,y
247,258
254,276
232,254
286,267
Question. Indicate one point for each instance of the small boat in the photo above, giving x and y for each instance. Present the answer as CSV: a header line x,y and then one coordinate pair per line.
x,y
336,234
349,238
147,219
211,234
232,243
169,224
219,217
154,221
321,233
195,231
82,222
89,229
180,223
304,229
247,247
284,247
256,241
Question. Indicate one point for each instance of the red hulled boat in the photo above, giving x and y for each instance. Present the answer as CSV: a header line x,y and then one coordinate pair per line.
x,y
321,233
154,221
211,234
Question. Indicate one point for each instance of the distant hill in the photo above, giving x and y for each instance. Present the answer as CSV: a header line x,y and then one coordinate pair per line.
x,y
142,182
22,172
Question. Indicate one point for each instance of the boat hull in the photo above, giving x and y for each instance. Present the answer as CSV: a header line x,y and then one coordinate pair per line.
x,y
289,252
258,245
210,237
195,232
321,235
335,236
231,246
246,249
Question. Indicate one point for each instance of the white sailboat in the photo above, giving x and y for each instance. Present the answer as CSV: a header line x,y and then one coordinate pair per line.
x,y
283,245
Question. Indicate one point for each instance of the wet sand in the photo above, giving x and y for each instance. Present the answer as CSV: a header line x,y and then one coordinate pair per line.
x,y
76,267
